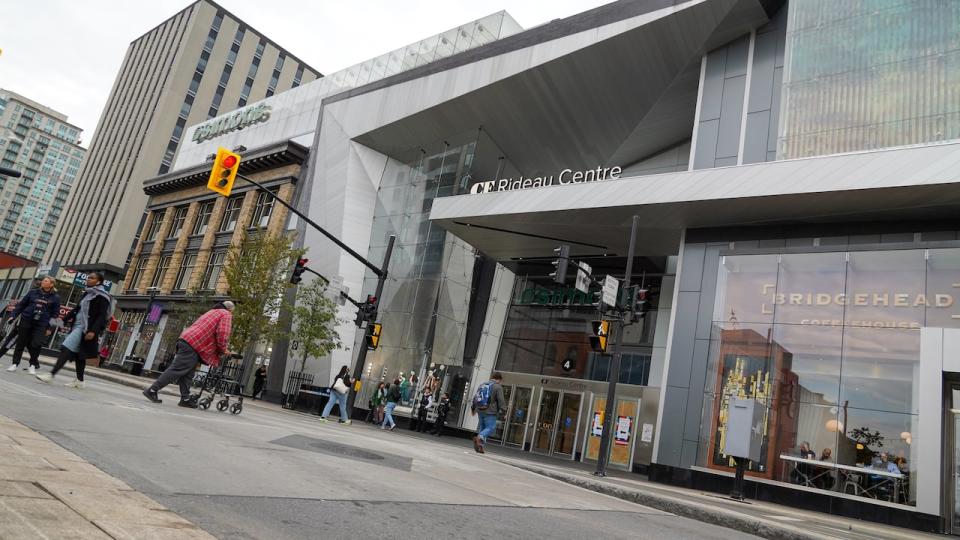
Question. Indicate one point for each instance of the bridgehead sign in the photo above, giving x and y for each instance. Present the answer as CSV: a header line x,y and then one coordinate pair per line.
x,y
565,177
232,122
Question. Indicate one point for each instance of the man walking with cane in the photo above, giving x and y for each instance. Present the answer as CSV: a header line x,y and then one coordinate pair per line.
x,y
206,340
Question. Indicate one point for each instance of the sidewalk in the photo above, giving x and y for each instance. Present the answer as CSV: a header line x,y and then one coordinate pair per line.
x,y
48,492
755,517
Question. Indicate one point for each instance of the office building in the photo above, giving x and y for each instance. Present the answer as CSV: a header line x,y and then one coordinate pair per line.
x,y
198,64
45,148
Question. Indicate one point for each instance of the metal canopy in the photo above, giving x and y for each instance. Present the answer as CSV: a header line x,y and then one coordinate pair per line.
x,y
886,185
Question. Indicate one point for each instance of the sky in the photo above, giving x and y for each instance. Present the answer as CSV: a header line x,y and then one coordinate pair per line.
x,y
65,54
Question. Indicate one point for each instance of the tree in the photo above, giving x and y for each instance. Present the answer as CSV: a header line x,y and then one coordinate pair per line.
x,y
314,321
256,274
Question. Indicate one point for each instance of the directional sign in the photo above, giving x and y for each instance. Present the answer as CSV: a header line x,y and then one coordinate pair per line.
x,y
583,277
568,364
611,286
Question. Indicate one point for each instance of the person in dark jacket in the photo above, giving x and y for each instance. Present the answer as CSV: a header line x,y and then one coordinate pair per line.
x,y
338,395
259,379
37,310
393,398
443,409
89,320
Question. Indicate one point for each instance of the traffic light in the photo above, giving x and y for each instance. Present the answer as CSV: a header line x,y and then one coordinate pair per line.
x,y
367,311
640,304
559,274
224,171
298,270
373,335
599,334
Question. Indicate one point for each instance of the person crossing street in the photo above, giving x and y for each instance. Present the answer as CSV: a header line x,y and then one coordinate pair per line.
x,y
37,311
488,403
206,340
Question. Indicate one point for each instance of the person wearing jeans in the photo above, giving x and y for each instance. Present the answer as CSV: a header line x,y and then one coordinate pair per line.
x,y
339,396
393,397
488,413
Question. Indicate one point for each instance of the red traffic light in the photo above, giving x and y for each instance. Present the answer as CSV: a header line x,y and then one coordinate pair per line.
x,y
302,262
229,161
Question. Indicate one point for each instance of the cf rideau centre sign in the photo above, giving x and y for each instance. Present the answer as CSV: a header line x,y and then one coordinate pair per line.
x,y
565,177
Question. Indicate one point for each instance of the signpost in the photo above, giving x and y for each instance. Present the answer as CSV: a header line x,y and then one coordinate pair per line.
x,y
611,286
583,277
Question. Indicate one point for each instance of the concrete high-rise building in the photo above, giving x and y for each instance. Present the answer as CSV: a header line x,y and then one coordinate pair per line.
x,y
196,65
44,147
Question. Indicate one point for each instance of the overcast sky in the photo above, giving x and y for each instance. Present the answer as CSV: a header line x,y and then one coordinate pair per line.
x,y
65,53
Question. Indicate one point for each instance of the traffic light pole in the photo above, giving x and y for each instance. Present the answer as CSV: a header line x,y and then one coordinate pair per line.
x,y
362,353
608,424
381,273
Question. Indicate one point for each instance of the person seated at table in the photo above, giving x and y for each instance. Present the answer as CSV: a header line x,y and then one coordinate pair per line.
x,y
884,486
803,471
884,464
825,478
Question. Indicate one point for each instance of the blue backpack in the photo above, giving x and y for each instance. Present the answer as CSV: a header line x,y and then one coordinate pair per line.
x,y
481,399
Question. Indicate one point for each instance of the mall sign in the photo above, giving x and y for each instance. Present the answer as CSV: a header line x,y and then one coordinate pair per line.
x,y
565,177
232,122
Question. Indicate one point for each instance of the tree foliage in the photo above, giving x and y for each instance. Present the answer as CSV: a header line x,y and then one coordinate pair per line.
x,y
314,321
256,274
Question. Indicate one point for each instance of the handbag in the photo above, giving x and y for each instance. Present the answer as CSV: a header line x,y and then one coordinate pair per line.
x,y
340,387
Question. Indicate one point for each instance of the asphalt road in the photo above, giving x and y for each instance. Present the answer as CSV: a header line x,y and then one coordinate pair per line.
x,y
268,474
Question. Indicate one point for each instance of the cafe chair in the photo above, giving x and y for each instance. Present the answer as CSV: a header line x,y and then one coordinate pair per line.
x,y
853,480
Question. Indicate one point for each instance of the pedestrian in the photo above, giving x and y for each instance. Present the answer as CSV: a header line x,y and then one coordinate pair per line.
x,y
443,409
339,391
393,397
10,336
378,402
37,311
487,404
89,319
206,340
259,379
426,401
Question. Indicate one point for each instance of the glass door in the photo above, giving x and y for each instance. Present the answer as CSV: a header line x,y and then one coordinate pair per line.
x,y
564,443
497,434
518,416
545,426
955,473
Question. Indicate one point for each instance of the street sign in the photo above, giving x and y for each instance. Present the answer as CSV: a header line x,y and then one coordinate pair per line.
x,y
611,286
583,277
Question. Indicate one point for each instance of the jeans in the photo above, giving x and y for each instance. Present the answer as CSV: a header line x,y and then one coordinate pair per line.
x,y
336,397
487,423
388,415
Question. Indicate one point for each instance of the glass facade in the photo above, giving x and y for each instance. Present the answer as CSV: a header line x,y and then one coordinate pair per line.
x,y
866,74
831,343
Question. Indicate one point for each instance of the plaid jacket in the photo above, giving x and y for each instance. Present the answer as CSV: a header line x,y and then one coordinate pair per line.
x,y
209,335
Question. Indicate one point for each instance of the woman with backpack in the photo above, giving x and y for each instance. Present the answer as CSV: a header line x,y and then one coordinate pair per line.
x,y
339,391
89,320
393,397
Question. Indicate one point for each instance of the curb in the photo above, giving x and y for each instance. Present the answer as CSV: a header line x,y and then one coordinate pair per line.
x,y
684,508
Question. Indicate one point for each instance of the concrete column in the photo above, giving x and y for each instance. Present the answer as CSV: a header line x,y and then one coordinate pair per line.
x,y
927,447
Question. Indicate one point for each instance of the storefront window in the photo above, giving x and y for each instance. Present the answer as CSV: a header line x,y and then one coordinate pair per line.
x,y
830,343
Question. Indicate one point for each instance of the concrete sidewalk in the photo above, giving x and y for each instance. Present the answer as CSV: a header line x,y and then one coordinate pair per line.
x,y
48,492
754,517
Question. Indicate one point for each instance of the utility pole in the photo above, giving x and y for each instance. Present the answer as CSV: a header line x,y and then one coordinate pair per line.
x,y
608,425
371,317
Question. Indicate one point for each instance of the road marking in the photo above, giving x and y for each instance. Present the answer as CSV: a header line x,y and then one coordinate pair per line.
x,y
782,518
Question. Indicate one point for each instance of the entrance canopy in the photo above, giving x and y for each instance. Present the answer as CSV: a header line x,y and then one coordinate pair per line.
x,y
885,185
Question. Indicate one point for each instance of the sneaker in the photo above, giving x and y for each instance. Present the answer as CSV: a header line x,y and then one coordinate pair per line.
x,y
393,427
75,384
45,377
188,403
13,367
346,422
477,447
33,370
152,396
324,420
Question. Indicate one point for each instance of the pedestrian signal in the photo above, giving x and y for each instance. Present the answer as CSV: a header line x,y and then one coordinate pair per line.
x,y
599,334
373,335
224,171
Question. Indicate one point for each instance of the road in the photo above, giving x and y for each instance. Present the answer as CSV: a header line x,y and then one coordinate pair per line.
x,y
268,474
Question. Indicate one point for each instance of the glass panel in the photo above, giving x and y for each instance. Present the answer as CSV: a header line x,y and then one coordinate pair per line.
x,y
546,418
746,285
956,472
886,289
810,372
566,433
878,441
880,369
518,416
810,289
943,284
497,434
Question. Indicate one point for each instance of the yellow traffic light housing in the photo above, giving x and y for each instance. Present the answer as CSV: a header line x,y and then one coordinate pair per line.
x,y
600,333
224,171
373,335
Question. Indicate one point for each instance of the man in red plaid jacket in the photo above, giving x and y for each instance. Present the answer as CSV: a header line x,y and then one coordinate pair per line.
x,y
204,341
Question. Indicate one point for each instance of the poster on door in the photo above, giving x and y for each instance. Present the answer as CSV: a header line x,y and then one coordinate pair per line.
x,y
596,429
624,427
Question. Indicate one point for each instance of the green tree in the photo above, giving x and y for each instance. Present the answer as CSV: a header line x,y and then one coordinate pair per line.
x,y
314,321
256,274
